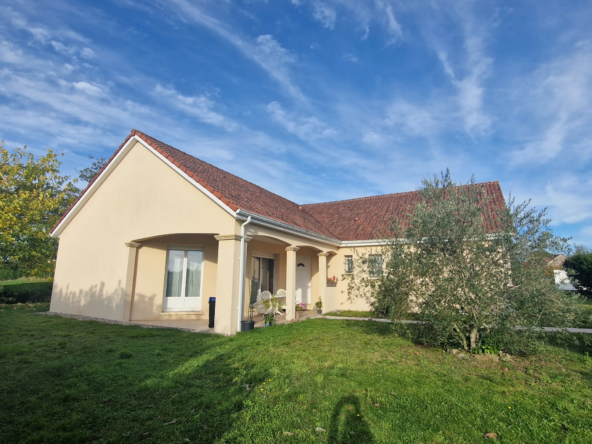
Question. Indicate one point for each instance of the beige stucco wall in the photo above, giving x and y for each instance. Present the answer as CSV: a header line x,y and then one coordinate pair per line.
x,y
336,267
150,275
142,198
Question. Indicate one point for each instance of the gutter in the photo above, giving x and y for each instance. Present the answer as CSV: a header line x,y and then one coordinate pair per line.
x,y
241,282
286,228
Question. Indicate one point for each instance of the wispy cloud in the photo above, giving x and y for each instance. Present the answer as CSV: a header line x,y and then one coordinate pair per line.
x,y
469,72
393,26
198,106
555,103
266,51
350,57
306,128
324,14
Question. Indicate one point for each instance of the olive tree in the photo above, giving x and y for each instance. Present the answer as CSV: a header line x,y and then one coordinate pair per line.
x,y
460,263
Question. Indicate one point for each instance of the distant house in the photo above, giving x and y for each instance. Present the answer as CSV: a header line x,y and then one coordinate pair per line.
x,y
158,232
561,279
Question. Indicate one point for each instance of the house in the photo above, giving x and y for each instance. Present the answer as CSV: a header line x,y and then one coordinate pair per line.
x,y
560,276
158,232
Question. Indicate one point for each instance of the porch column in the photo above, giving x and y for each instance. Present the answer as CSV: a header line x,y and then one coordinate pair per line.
x,y
129,279
227,283
291,282
323,277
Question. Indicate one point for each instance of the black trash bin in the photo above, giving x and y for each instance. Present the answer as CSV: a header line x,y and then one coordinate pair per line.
x,y
212,303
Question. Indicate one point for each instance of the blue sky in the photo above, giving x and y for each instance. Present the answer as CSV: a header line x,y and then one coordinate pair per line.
x,y
316,100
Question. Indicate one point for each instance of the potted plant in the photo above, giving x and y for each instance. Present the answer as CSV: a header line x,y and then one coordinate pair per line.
x,y
272,306
269,319
319,305
250,323
331,282
299,308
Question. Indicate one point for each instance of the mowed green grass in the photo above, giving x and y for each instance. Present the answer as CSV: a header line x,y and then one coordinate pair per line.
x,y
66,380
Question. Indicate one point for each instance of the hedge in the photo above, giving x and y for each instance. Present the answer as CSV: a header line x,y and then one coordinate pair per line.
x,y
6,274
22,292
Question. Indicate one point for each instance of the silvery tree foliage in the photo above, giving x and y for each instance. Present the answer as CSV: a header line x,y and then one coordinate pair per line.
x,y
463,266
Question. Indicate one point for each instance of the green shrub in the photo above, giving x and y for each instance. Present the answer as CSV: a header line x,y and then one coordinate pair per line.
x,y
579,268
22,292
6,274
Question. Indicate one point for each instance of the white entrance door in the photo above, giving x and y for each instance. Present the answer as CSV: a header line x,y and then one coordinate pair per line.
x,y
184,278
303,286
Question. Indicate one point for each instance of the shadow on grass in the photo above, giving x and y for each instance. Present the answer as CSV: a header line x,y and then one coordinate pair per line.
x,y
82,381
348,424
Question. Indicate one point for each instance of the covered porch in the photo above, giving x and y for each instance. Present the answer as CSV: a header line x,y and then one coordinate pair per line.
x,y
171,278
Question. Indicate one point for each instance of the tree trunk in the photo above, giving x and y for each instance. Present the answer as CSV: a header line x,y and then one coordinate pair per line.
x,y
462,337
474,338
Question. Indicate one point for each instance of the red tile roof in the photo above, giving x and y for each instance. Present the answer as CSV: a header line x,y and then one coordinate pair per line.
x,y
368,218
354,219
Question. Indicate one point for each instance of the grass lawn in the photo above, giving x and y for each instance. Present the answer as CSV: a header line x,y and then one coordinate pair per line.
x,y
72,381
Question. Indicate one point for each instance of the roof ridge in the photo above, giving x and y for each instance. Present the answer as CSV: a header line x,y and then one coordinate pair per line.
x,y
140,133
386,195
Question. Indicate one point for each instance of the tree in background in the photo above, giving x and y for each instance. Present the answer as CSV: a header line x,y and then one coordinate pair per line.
x,y
33,196
87,174
470,288
579,269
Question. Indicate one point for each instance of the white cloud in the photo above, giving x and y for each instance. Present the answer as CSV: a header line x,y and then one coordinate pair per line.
x,y
88,88
198,106
554,103
40,34
373,138
468,69
270,53
87,53
410,119
324,14
62,49
10,54
306,128
266,51
393,26
350,57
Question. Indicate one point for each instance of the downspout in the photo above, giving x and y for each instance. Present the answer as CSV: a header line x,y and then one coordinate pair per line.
x,y
241,282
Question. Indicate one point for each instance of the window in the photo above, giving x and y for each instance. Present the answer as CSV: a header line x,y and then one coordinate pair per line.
x,y
349,264
375,265
183,280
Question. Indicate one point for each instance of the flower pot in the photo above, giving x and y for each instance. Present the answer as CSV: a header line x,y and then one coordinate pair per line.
x,y
320,312
269,321
297,316
247,325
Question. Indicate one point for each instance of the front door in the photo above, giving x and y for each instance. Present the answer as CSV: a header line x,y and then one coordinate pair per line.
x,y
303,274
184,276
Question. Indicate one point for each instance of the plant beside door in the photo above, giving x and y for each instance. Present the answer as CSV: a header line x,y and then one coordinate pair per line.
x,y
299,309
319,305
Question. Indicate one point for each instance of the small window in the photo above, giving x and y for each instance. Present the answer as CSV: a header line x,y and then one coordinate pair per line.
x,y
349,264
375,265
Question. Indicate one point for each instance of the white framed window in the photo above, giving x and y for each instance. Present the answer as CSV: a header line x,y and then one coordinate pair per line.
x,y
375,262
349,264
184,279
